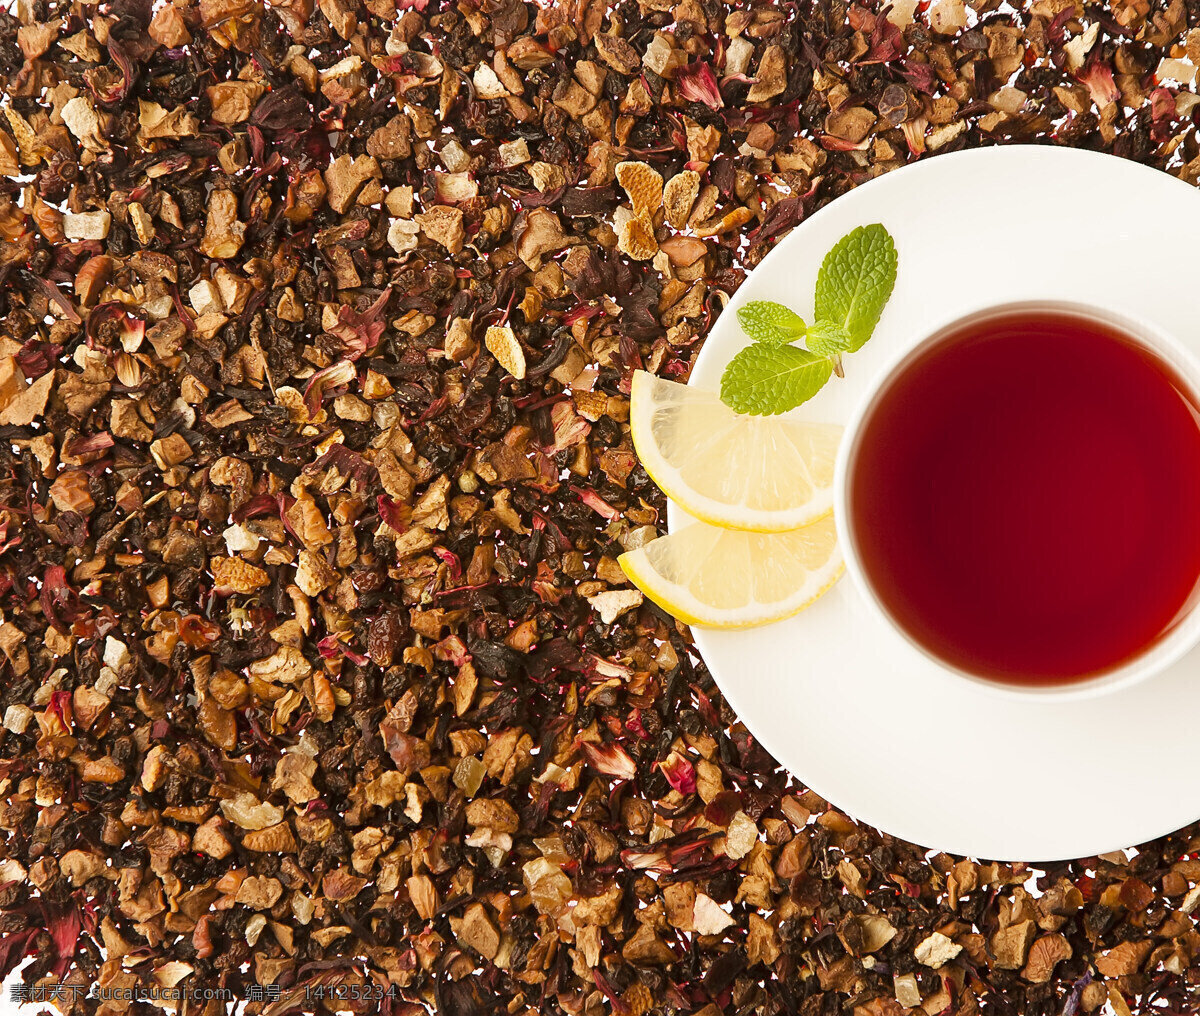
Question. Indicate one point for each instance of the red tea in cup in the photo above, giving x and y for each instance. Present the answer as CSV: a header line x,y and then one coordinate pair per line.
x,y
1024,496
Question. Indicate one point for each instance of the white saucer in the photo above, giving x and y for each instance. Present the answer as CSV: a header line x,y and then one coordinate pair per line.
x,y
843,701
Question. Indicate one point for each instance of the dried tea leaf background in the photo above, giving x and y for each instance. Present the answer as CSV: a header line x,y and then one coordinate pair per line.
x,y
316,328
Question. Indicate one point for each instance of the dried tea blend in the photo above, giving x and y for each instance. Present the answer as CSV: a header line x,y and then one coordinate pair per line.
x,y
316,325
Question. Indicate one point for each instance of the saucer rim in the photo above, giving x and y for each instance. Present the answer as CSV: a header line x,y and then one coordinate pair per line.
x,y
1143,820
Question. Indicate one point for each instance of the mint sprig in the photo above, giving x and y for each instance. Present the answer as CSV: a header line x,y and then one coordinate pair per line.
x,y
770,375
765,321
854,283
828,338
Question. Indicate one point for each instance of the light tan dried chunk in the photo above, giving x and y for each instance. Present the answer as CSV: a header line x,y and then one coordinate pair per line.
x,y
643,184
237,575
170,450
102,770
601,909
314,574
164,843
82,120
156,122
850,124
340,885
10,165
223,233
345,178
679,195
307,521
1045,954
542,234
476,931
546,176
29,403
86,225
708,917
762,942
32,149
81,866
34,39
70,492
249,812
906,989
943,135
424,896
487,84
635,239
168,28
276,839
936,950
612,603
862,934
286,665
741,836
503,345
293,775
732,220
493,813
12,381
772,75
646,949
459,345
617,53
575,100
946,17
662,57
391,141
210,840
233,101
143,225
259,892
1010,945
1124,959
443,224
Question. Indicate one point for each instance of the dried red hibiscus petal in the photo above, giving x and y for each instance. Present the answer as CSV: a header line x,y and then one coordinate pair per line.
x,y
610,759
697,83
360,332
679,773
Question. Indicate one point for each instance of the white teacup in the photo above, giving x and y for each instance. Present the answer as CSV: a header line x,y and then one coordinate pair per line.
x,y
1184,632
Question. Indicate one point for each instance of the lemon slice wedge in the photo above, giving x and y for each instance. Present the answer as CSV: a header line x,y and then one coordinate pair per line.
x,y
764,474
726,578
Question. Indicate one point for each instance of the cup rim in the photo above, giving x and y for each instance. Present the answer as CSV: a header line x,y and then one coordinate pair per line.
x,y
1167,650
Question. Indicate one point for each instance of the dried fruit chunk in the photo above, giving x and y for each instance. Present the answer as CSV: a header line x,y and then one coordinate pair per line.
x,y
643,184
238,576
636,239
443,224
679,194
249,812
617,53
86,225
503,345
548,886
771,78
223,232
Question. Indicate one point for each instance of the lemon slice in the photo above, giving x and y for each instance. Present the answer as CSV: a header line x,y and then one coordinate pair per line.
x,y
726,578
765,474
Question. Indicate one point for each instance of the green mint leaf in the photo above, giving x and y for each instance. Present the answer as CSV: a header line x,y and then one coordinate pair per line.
x,y
855,281
766,321
764,379
827,338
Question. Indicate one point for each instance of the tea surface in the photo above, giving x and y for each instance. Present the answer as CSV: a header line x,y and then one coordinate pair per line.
x,y
1026,498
